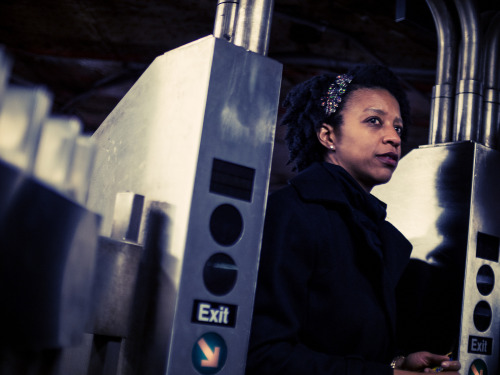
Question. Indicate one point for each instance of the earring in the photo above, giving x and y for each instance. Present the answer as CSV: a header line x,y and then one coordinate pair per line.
x,y
332,148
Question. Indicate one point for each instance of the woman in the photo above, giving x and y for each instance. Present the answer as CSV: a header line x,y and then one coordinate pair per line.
x,y
325,299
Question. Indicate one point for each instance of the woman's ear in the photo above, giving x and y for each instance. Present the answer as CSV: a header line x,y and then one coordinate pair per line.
x,y
326,136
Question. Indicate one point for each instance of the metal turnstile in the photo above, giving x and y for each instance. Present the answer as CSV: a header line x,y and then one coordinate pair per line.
x,y
444,199
196,131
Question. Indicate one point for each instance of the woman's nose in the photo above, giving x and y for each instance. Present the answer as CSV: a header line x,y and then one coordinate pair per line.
x,y
392,136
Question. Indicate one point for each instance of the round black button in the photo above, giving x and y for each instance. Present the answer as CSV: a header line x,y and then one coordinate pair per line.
x,y
485,280
226,224
482,316
219,274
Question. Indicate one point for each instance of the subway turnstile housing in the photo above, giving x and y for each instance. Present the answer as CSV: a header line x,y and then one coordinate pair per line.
x,y
444,199
196,132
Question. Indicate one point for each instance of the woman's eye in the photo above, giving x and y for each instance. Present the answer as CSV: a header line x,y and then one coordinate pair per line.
x,y
399,129
374,121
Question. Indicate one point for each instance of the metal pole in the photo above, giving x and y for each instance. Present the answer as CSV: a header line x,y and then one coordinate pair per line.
x,y
225,18
491,103
443,93
469,91
253,25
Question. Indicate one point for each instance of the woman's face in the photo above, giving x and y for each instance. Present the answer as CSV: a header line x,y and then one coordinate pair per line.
x,y
368,143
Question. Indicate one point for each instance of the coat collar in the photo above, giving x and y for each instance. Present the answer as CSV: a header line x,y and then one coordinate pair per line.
x,y
331,184
316,184
321,182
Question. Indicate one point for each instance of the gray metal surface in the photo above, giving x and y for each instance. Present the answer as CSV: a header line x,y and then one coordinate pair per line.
x,y
207,102
440,198
117,265
484,220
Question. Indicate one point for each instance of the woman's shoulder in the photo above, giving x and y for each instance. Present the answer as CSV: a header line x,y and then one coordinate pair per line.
x,y
284,201
291,204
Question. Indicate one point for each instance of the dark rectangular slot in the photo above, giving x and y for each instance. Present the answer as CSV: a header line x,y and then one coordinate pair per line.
x,y
487,247
232,180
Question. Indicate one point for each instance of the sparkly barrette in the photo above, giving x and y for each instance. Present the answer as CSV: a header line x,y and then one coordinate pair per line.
x,y
334,94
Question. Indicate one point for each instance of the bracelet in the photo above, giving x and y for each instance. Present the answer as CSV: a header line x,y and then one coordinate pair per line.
x,y
396,361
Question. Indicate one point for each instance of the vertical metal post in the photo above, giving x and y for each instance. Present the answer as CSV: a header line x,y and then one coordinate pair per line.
x,y
443,93
491,103
253,25
225,19
469,86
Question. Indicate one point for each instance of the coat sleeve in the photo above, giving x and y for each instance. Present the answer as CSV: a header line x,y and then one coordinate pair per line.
x,y
288,254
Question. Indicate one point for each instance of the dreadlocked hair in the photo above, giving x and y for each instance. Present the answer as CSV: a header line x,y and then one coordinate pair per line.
x,y
304,113
303,118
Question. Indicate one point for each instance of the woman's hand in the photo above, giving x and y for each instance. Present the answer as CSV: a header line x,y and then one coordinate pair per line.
x,y
428,362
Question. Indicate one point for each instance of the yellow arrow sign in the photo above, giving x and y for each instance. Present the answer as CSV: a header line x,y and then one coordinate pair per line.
x,y
212,356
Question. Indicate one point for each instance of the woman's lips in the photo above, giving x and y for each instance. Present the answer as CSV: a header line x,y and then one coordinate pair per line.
x,y
389,158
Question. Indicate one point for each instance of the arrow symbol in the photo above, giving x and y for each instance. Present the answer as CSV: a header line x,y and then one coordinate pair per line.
x,y
474,370
212,356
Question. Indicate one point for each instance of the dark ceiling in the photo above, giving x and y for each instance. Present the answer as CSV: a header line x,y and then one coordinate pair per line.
x,y
89,53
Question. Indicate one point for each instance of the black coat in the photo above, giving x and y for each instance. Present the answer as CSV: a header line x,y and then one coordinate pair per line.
x,y
325,299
